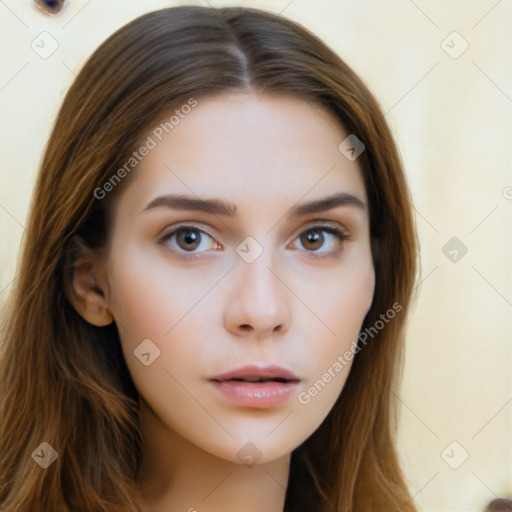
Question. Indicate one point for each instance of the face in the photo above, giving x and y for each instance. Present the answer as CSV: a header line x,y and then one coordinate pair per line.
x,y
236,288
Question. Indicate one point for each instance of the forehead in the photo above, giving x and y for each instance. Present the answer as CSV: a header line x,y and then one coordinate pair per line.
x,y
247,147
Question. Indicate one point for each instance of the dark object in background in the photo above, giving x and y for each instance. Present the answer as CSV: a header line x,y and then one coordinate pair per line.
x,y
499,505
50,6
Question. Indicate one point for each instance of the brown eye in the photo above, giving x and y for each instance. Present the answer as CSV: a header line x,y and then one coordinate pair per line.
x,y
322,241
312,240
188,242
188,239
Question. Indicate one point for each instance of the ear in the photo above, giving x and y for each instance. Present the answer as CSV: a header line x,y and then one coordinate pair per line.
x,y
85,284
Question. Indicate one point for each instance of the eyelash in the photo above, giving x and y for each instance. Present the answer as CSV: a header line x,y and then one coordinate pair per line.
x,y
187,255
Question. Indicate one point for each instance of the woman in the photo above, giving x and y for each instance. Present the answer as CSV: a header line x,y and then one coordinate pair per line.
x,y
218,265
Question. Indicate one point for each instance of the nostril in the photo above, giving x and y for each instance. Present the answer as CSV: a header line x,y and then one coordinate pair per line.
x,y
50,6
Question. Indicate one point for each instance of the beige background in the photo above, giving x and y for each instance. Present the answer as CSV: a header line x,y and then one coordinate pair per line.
x,y
452,118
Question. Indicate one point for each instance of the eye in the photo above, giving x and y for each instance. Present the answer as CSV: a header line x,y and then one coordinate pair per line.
x,y
188,239
322,240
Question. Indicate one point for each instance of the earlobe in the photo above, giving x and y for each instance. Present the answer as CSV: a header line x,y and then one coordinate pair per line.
x,y
83,290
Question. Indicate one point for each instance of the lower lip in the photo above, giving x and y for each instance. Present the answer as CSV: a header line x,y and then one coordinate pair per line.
x,y
256,394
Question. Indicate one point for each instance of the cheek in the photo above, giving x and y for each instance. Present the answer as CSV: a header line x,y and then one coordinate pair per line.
x,y
162,332
149,297
341,298
166,312
341,304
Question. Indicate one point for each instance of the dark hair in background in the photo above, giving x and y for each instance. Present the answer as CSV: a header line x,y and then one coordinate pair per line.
x,y
65,381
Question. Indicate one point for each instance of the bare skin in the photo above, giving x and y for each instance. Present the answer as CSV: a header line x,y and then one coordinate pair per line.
x,y
299,304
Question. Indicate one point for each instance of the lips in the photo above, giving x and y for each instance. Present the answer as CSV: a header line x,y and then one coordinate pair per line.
x,y
256,386
255,373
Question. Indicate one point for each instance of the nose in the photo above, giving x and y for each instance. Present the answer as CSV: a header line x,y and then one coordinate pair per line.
x,y
257,305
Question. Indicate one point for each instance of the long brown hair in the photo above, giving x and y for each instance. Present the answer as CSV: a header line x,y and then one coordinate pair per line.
x,y
65,382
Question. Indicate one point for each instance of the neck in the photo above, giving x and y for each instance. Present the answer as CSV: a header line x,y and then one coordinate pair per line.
x,y
176,475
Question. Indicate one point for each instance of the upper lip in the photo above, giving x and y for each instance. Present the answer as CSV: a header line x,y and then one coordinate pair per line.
x,y
255,371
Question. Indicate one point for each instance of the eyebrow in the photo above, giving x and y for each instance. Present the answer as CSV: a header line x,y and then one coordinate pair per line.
x,y
219,207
